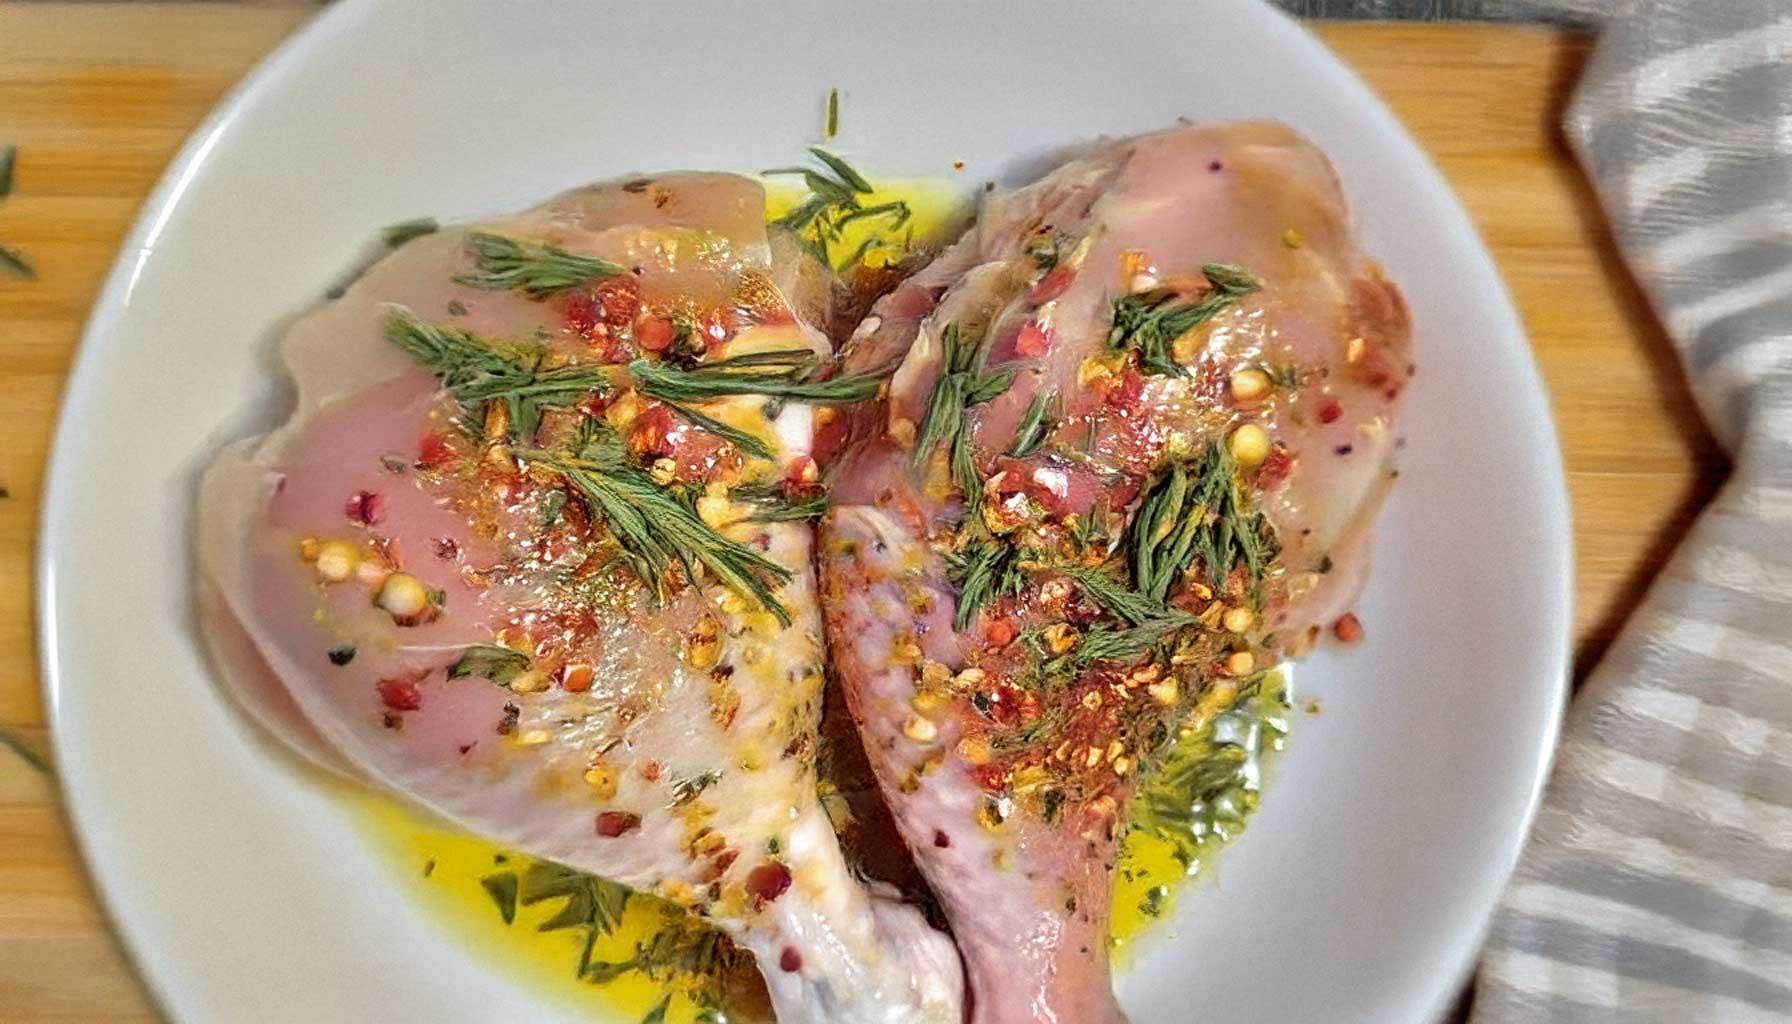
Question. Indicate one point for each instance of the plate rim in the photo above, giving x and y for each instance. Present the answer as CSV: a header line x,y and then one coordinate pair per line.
x,y
114,293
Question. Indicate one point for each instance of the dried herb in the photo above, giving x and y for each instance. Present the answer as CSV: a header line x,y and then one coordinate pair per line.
x,y
1150,321
395,235
488,661
536,269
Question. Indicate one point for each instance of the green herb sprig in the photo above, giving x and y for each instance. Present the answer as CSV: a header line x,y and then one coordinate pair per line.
x,y
719,380
1036,424
961,385
1149,321
655,529
982,571
536,269
476,373
1197,509
833,202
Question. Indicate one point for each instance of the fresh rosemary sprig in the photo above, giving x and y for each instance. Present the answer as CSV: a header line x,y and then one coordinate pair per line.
x,y
833,202
657,530
1114,597
1036,424
982,571
1110,643
395,235
747,443
535,269
1197,509
475,373
771,504
961,385
719,380
1149,321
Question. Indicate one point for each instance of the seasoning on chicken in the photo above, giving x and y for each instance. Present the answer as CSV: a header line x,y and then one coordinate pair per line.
x,y
1140,426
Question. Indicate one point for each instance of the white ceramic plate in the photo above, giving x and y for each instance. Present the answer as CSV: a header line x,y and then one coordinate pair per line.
x,y
1362,888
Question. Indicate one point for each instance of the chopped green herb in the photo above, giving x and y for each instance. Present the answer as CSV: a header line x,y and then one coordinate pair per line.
x,y
1035,424
830,125
1114,598
489,661
747,443
501,886
535,269
984,570
396,235
1198,510
1150,321
961,385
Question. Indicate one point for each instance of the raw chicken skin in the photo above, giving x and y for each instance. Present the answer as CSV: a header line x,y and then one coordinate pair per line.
x,y
1005,740
352,559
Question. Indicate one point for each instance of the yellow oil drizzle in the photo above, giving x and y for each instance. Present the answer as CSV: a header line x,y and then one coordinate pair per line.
x,y
442,867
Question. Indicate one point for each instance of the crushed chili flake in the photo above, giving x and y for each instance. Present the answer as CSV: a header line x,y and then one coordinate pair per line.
x,y
1275,467
365,508
1033,340
941,839
1330,409
1052,285
790,961
1348,628
446,548
611,824
768,881
400,694
433,450
654,333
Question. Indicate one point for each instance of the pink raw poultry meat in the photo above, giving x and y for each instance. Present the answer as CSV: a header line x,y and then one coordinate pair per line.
x,y
452,594
1141,425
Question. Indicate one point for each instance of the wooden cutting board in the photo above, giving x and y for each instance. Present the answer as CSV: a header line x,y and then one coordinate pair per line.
x,y
98,97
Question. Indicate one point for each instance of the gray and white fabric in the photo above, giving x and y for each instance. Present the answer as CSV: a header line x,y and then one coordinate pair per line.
x,y
1658,883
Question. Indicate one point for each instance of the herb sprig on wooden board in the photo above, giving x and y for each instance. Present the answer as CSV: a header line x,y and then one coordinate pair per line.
x,y
476,373
961,385
1150,321
12,261
656,529
834,201
536,269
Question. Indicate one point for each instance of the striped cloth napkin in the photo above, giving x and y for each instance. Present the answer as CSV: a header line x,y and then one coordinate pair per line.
x,y
1658,882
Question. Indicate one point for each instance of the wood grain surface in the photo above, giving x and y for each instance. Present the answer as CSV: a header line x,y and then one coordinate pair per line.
x,y
98,97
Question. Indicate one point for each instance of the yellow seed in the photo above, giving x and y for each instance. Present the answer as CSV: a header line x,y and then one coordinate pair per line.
x,y
1164,692
919,729
663,471
601,780
1115,749
1241,663
1187,346
1249,445
934,673
993,811
1122,765
1353,350
308,549
497,421
336,560
902,432
1092,699
929,765
926,701
1091,757
716,510
1027,779
534,737
532,681
975,750
904,651
703,652
1249,386
403,595
1059,637
969,678
1292,239
1237,620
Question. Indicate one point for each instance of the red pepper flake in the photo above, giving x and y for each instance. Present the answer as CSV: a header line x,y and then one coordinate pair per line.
x,y
654,333
582,313
790,960
1033,340
446,548
611,824
433,450
1128,389
1330,409
998,633
941,839
1052,285
767,882
365,508
651,771
1348,628
1275,467
400,694
573,678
